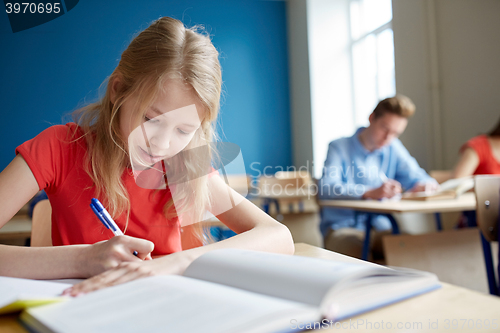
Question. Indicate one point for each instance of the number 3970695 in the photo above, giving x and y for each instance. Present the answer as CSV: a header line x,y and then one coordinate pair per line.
x,y
33,8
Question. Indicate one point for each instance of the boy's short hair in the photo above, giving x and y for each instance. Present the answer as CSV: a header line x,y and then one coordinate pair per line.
x,y
399,105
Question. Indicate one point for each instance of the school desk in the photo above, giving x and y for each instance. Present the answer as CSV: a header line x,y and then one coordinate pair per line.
x,y
436,311
465,202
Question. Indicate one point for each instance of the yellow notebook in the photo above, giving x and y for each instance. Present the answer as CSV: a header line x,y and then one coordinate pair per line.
x,y
19,294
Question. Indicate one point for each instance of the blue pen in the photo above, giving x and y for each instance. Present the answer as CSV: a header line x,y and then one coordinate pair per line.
x,y
105,218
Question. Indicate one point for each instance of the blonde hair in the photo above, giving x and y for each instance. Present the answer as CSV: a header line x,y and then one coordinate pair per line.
x,y
163,51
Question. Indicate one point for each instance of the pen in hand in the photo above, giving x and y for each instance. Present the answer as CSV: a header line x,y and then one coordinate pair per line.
x,y
106,219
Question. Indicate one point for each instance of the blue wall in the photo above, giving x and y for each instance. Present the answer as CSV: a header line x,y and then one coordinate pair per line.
x,y
52,69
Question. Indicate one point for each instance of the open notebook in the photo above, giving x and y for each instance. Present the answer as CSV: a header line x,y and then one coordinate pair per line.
x,y
19,294
450,189
232,290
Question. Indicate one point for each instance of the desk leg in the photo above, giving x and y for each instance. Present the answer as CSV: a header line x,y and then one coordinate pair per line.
x,y
498,268
265,205
488,260
267,202
395,227
366,244
439,226
488,257
277,205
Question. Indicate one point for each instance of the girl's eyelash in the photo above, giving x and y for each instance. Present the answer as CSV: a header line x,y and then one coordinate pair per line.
x,y
146,118
182,132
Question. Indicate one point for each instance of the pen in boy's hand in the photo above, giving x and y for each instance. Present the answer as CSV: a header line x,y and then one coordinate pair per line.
x,y
106,219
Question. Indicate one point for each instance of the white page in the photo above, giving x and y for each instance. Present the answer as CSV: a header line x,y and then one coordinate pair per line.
x,y
296,278
452,184
12,289
340,304
171,304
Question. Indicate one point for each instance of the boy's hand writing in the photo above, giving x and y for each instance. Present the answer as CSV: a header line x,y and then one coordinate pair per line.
x,y
389,189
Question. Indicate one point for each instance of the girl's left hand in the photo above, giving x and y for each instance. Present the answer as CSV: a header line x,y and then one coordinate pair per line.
x,y
174,263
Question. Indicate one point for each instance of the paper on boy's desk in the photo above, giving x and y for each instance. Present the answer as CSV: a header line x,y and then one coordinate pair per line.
x,y
450,189
18,294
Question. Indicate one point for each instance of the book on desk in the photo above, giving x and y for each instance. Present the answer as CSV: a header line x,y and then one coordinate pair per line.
x,y
450,189
232,290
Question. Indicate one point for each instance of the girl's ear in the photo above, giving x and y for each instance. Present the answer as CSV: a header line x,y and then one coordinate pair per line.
x,y
115,88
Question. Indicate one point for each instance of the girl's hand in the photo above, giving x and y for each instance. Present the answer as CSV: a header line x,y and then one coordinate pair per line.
x,y
174,263
102,256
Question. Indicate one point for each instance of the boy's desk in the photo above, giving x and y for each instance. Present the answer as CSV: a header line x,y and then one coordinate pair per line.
x,y
431,312
466,201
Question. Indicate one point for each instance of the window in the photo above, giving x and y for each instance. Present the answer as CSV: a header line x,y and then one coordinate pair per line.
x,y
372,52
351,59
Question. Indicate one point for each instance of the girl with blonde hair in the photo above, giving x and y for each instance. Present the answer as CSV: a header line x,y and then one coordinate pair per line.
x,y
161,102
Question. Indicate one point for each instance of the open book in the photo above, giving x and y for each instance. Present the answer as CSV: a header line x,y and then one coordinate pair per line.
x,y
232,290
449,189
19,294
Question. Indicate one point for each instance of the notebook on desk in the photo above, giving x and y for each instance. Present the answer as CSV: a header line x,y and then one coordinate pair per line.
x,y
19,294
450,189
232,290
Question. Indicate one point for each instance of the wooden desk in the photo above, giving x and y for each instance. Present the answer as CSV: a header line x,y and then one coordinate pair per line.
x,y
436,308
466,201
297,210
448,303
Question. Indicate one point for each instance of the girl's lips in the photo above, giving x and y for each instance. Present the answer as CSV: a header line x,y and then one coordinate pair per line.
x,y
150,158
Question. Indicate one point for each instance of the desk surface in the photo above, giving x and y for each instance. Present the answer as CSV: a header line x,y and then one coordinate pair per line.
x,y
431,312
466,201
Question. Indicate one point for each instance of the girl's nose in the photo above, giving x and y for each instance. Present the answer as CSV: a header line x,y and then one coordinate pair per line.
x,y
161,139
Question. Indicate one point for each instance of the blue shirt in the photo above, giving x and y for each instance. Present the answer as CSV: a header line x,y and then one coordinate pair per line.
x,y
350,170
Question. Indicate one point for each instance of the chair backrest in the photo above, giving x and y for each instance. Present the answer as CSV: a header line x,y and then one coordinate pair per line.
x,y
41,224
487,189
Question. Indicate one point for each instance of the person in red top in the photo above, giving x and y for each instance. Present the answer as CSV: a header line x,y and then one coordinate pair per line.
x,y
131,151
70,191
480,155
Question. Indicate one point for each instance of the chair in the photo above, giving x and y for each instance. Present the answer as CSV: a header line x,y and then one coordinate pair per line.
x,y
487,189
290,198
41,224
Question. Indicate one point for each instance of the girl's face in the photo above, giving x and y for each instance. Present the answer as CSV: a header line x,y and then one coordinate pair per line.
x,y
167,128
